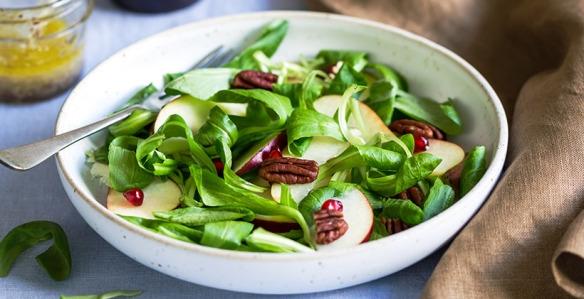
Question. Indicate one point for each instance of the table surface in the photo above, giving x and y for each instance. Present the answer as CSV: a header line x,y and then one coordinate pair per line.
x,y
97,266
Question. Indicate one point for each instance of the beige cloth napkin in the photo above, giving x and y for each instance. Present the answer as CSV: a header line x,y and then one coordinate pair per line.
x,y
528,240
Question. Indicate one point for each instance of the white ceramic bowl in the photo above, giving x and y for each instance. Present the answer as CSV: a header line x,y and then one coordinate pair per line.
x,y
431,71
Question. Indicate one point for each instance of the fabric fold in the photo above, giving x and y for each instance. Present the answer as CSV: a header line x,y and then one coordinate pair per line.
x,y
532,52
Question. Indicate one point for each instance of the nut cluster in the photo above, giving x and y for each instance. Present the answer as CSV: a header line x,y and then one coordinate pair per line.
x,y
250,79
394,225
330,225
417,128
414,194
288,170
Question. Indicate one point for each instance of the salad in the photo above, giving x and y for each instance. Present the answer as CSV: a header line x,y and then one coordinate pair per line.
x,y
318,153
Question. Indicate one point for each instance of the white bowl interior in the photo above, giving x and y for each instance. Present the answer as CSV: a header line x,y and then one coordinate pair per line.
x,y
430,70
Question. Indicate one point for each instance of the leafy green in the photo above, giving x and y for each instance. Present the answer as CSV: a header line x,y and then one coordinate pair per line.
x,y
195,216
450,111
385,73
345,77
304,124
440,197
56,260
230,177
473,170
201,83
124,171
362,155
134,123
225,234
405,210
266,111
268,241
357,60
219,125
215,192
379,230
173,138
430,112
414,169
286,198
106,295
268,42
140,96
382,95
169,77
174,230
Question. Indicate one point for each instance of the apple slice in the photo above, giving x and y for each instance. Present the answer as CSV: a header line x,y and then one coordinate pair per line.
x,y
321,149
194,111
359,216
158,196
252,159
276,224
450,153
328,105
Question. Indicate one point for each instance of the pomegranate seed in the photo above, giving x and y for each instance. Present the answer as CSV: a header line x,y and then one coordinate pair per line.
x,y
332,204
135,196
218,165
275,154
421,144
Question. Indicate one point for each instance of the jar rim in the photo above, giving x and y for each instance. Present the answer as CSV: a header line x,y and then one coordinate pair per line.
x,y
86,14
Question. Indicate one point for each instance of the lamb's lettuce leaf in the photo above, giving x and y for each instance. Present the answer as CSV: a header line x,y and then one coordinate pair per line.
x,y
160,153
439,115
362,155
174,230
357,60
268,42
345,77
286,198
140,96
473,170
124,171
405,210
271,242
381,99
414,169
215,193
440,197
137,121
226,234
304,124
385,73
195,216
201,83
218,125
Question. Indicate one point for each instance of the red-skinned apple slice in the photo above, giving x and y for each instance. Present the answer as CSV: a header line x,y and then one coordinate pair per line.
x,y
252,159
359,216
194,111
450,153
158,196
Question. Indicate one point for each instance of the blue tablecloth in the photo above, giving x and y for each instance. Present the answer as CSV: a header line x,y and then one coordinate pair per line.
x,y
97,266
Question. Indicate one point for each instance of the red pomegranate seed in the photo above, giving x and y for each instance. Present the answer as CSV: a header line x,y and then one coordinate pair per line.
x,y
275,154
421,144
218,165
332,204
135,196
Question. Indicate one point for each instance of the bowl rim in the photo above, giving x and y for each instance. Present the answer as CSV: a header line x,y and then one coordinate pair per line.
x,y
487,182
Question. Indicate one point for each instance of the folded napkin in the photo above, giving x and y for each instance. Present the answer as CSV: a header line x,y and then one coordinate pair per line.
x,y
527,241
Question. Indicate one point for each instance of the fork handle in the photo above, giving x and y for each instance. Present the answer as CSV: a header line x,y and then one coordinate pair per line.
x,y
28,156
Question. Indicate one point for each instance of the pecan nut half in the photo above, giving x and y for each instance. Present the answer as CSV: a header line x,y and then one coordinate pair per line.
x,y
414,194
394,225
330,225
452,176
289,170
250,79
417,128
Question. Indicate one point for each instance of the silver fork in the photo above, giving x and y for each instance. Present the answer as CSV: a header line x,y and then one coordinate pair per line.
x,y
28,156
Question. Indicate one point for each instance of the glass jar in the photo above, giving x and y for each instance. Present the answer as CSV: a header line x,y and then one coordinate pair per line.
x,y
41,47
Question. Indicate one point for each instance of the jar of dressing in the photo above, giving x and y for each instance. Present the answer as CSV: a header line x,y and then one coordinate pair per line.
x,y
41,47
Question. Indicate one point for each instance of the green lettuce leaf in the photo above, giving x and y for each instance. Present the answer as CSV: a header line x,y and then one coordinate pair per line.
x,y
364,155
440,198
357,60
172,230
124,170
405,210
473,170
439,115
194,216
271,242
225,234
268,42
304,124
346,77
385,73
201,83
